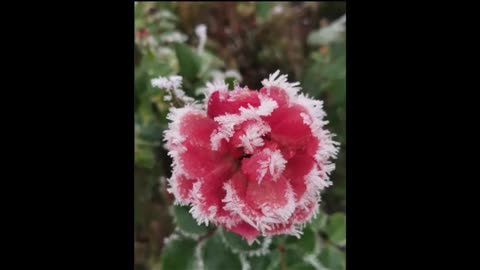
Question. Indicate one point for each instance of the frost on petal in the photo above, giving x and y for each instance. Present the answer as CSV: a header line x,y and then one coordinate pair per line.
x,y
277,94
229,123
208,193
313,107
326,148
249,135
198,160
173,137
305,213
281,81
275,200
296,170
234,100
284,228
265,165
197,129
181,187
288,128
260,205
212,87
245,230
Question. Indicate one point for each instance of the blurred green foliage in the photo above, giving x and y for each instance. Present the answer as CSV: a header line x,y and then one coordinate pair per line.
x,y
303,39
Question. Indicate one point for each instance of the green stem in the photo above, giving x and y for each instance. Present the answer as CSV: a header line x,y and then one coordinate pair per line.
x,y
281,251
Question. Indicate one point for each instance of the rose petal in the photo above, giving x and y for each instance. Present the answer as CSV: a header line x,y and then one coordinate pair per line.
x,y
296,170
181,187
245,230
260,205
266,165
208,193
305,213
249,135
288,128
221,103
198,160
277,94
275,200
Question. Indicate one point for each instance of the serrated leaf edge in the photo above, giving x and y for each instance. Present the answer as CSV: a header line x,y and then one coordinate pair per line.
x,y
262,251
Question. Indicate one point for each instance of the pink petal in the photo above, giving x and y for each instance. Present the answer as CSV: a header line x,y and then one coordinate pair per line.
x,y
268,193
221,103
260,205
277,94
303,214
250,136
198,160
180,187
208,196
288,128
296,170
252,167
245,230
312,146
239,184
197,128
266,165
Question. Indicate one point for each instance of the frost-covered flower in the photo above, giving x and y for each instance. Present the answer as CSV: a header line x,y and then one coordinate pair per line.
x,y
173,86
251,161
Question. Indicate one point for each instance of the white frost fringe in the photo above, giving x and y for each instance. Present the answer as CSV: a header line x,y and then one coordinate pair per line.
x,y
261,251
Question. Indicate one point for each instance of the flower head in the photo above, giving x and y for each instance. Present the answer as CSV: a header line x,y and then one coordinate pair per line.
x,y
251,161
173,86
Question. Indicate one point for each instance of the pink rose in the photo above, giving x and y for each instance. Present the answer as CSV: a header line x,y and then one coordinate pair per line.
x,y
251,161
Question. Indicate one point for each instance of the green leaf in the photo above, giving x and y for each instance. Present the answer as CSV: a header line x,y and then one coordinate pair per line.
x,y
338,91
144,157
165,26
262,9
302,266
208,62
335,69
332,33
293,256
320,221
274,258
332,258
306,244
188,61
314,81
239,245
336,228
186,223
152,132
179,254
216,255
259,263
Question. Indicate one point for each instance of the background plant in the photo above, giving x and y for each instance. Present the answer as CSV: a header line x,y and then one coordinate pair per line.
x,y
245,42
